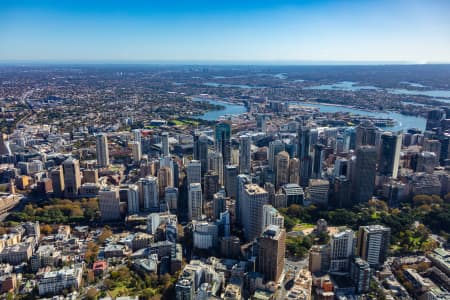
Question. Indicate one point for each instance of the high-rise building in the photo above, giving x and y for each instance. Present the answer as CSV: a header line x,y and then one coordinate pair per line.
x,y
133,199
245,154
149,194
317,160
194,172
271,253
195,203
136,151
303,152
230,178
72,177
102,150
57,177
219,204
201,151
271,216
165,144
318,191
366,134
164,180
342,192
341,249
360,275
275,147
434,119
389,154
433,146
294,193
185,289
223,141
171,198
210,186
363,173
109,203
242,180
294,171
253,199
319,258
215,163
282,168
373,244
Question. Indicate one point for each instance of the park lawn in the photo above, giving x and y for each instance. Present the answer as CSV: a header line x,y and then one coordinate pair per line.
x,y
302,226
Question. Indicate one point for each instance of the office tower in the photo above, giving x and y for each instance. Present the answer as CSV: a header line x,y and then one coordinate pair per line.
x,y
149,194
342,192
341,167
230,178
275,147
294,193
341,249
434,119
109,203
426,162
294,171
234,157
433,146
201,151
215,163
245,154
4,150
445,147
194,172
366,134
261,123
57,177
282,168
219,203
171,198
223,141
349,139
271,252
133,199
389,154
360,275
254,198
319,258
165,144
373,244
303,149
183,199
242,180
164,180
90,176
72,177
211,185
135,151
271,216
318,190
184,288
168,162
394,192
363,177
317,161
195,202
137,137
102,150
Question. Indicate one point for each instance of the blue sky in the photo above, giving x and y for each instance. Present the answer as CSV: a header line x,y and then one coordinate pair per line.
x,y
229,31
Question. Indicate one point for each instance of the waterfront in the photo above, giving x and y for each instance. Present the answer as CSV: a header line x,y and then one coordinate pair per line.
x,y
229,109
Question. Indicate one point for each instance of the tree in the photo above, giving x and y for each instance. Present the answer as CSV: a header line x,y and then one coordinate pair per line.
x,y
46,229
91,294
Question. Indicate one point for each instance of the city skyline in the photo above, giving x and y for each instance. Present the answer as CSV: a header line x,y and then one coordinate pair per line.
x,y
273,32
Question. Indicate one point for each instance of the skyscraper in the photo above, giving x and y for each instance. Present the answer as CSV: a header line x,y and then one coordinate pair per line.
x,y
366,134
223,141
165,144
195,203
149,193
253,199
360,275
57,177
211,185
201,151
215,163
271,253
109,203
102,150
245,154
133,199
294,171
230,178
363,181
275,147
136,151
72,177
242,180
373,244
317,160
282,168
341,249
271,216
303,152
194,172
434,119
389,154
